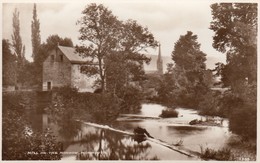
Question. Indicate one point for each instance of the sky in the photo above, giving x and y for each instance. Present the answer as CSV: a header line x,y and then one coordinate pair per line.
x,y
166,20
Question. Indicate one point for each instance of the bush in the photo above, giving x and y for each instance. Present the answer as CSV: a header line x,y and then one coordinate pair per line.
x,y
210,105
169,113
223,154
99,108
241,111
130,99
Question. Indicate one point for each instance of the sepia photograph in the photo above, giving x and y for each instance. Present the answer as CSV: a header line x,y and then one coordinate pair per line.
x,y
129,80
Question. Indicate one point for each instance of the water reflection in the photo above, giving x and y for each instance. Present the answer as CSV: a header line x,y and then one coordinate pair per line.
x,y
64,127
68,127
38,121
172,130
109,145
184,130
90,143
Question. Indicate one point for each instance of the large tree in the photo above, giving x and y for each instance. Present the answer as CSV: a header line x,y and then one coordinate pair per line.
x,y
235,27
98,31
105,38
188,73
16,38
36,37
128,60
187,53
189,60
19,48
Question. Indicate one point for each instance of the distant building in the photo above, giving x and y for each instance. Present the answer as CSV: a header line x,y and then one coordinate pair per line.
x,y
154,70
158,63
63,68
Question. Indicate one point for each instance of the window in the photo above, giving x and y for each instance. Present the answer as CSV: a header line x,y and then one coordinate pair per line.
x,y
61,58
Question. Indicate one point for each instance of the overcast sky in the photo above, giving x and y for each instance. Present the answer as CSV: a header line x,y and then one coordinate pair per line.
x,y
167,20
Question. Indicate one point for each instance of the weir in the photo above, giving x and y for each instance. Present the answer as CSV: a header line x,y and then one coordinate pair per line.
x,y
183,151
138,116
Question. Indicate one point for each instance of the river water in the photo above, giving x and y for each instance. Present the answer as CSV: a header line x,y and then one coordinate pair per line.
x,y
91,141
172,130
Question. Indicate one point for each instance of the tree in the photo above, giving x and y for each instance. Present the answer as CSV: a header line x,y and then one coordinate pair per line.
x,y
9,64
187,53
53,40
128,60
235,27
99,28
189,70
19,49
106,36
16,38
167,90
36,37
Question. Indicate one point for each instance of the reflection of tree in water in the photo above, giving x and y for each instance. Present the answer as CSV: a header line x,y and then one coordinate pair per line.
x,y
109,145
68,127
131,107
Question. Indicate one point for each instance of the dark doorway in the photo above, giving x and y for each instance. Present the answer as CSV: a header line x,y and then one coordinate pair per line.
x,y
49,85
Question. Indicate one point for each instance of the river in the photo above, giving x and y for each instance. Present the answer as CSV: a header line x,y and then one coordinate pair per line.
x,y
91,141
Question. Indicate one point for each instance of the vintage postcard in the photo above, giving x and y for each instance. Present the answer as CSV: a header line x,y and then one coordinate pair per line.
x,y
129,80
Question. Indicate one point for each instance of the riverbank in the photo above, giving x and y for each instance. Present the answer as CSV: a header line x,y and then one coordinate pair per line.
x,y
208,122
243,150
167,130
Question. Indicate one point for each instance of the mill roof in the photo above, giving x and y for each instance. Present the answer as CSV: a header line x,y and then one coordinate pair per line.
x,y
73,56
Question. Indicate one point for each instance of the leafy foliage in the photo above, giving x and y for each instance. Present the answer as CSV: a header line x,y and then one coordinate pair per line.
x,y
187,81
17,45
224,154
243,117
168,89
36,37
131,98
20,142
99,27
187,54
16,38
70,104
235,27
211,104
168,113
9,65
110,41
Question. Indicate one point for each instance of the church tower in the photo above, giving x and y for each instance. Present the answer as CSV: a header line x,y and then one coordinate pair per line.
x,y
159,62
